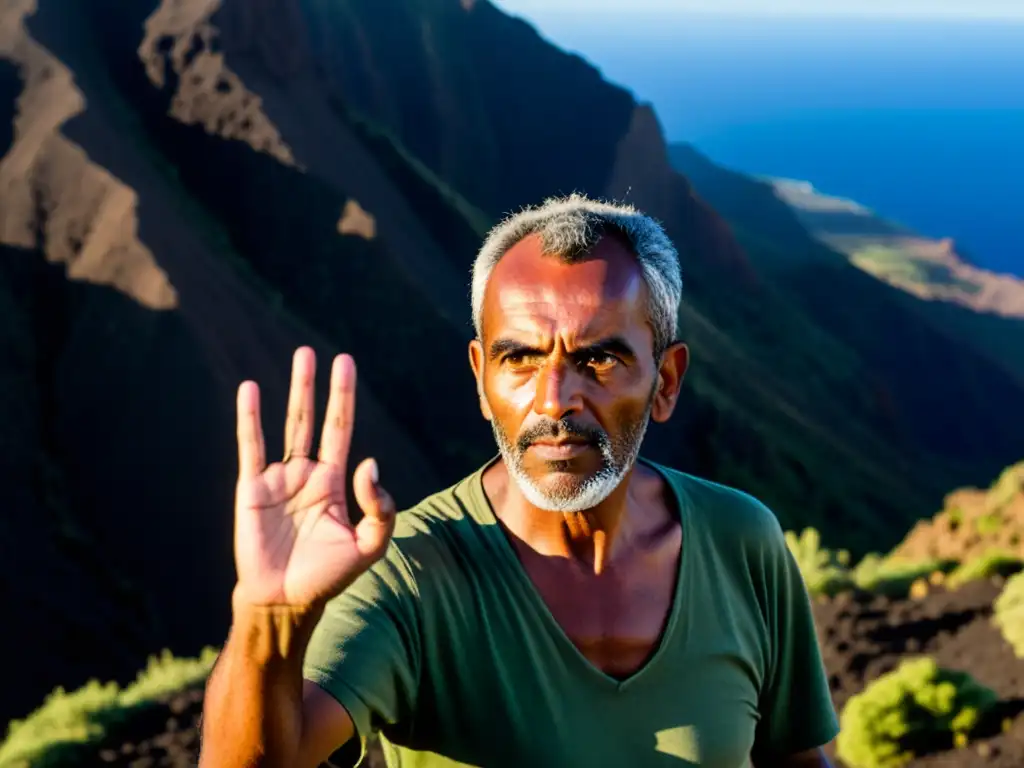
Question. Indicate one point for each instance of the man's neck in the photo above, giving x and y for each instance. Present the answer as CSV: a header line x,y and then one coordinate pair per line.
x,y
594,538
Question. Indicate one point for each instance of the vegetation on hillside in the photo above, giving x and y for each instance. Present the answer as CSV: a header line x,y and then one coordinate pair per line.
x,y
828,573
973,522
917,707
67,723
976,536
895,265
990,564
1009,613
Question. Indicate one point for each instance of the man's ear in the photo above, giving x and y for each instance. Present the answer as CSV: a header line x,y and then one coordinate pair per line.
x,y
674,363
476,363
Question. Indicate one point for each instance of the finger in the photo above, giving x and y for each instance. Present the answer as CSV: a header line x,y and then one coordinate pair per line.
x,y
374,531
341,405
298,427
251,449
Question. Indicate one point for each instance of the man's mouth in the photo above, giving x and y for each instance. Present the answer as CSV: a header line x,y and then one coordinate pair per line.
x,y
555,450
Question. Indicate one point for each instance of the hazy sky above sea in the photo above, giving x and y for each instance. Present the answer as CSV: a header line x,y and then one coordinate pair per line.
x,y
869,8
918,115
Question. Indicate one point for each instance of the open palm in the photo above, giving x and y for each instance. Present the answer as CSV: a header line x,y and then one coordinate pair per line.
x,y
294,543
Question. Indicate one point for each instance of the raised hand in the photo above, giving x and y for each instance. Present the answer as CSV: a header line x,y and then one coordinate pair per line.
x,y
294,544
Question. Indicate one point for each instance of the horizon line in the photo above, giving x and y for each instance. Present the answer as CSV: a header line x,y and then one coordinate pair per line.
x,y
908,14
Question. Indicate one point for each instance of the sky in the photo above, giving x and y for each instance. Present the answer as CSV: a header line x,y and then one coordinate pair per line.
x,y
869,8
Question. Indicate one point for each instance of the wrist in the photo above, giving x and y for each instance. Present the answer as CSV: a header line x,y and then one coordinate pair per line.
x,y
273,634
244,601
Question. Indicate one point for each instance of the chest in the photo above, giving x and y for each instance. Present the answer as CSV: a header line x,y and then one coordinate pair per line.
x,y
654,679
694,707
616,619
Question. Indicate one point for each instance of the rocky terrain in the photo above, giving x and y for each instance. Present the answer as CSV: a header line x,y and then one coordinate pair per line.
x,y
193,188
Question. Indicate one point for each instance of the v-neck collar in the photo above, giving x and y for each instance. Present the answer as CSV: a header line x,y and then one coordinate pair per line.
x,y
675,626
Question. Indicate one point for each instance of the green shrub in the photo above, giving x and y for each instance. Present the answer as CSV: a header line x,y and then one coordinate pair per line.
x,y
892,577
916,708
1009,484
824,571
864,572
66,722
988,524
828,572
992,563
1009,613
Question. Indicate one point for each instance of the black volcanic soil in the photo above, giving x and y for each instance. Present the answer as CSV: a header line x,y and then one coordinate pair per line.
x,y
862,636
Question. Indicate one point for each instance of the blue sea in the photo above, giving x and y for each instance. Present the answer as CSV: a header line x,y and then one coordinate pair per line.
x,y
921,120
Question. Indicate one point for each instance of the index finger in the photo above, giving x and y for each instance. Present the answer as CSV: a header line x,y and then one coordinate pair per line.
x,y
337,435
251,449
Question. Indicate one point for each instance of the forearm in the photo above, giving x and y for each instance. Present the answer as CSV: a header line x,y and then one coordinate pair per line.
x,y
252,710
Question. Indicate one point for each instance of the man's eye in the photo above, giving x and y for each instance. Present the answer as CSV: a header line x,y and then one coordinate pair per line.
x,y
601,360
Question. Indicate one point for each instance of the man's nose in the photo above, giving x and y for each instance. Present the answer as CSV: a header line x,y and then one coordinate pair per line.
x,y
558,391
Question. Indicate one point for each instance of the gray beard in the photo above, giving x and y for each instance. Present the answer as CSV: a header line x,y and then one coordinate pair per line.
x,y
617,459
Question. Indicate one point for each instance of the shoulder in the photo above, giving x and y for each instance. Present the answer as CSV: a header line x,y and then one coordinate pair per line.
x,y
725,517
724,508
738,544
438,530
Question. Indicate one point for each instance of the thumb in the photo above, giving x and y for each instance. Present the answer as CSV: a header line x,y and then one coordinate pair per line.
x,y
374,531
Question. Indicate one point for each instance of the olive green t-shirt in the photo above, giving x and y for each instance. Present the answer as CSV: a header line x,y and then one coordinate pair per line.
x,y
447,650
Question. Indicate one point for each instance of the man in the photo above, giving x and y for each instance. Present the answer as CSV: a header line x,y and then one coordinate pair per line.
x,y
567,604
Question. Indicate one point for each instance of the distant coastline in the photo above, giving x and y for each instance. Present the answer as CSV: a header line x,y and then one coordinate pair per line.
x,y
944,174
919,120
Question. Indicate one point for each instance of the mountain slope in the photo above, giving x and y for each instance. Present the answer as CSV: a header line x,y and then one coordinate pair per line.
x,y
328,132
928,268
120,461
495,68
925,267
289,172
807,241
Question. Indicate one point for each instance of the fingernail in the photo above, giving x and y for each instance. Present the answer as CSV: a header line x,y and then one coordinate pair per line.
x,y
374,472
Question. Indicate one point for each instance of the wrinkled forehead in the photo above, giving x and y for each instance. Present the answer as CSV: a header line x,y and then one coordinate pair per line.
x,y
596,293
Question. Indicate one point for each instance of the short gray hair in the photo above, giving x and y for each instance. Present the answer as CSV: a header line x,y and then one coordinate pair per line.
x,y
569,228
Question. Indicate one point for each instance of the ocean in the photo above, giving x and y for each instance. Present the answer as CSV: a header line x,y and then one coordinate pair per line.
x,y
921,120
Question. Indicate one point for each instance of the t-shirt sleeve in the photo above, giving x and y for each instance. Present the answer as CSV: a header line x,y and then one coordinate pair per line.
x,y
796,706
365,650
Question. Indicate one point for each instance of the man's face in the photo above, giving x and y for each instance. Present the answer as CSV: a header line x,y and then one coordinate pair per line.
x,y
566,371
